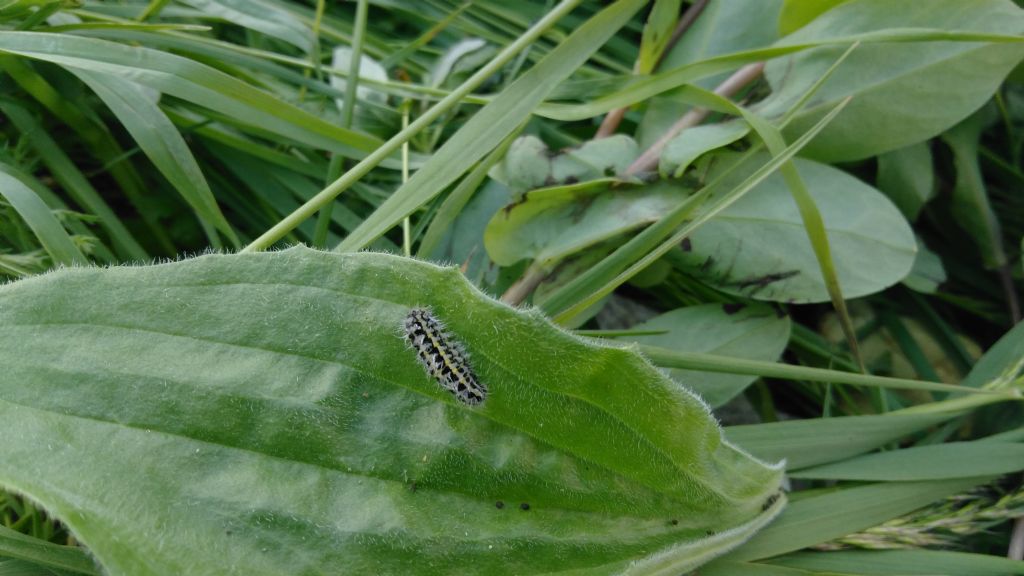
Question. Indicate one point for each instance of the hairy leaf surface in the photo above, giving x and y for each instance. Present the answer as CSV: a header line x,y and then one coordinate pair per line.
x,y
264,413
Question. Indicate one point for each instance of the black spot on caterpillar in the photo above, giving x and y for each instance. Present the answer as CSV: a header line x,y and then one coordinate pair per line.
x,y
442,357
770,501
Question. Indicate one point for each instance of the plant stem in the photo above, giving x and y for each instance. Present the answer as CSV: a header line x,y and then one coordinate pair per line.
x,y
614,118
649,159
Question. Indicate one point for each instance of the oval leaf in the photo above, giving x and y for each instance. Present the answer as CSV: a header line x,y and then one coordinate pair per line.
x,y
751,332
902,92
758,247
265,413
552,223
530,164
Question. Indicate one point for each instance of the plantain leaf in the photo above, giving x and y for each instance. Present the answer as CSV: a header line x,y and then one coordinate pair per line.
x,y
264,412
530,164
756,332
902,93
758,247
550,224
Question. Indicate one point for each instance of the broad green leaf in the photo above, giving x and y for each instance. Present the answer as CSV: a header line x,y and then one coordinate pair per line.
x,y
264,412
949,460
488,127
904,562
191,81
903,93
758,247
927,273
724,28
22,192
682,150
620,92
754,332
529,164
907,177
40,552
160,140
823,517
664,235
796,14
970,202
804,443
549,224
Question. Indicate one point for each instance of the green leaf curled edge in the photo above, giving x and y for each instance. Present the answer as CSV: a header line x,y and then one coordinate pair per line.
x,y
263,412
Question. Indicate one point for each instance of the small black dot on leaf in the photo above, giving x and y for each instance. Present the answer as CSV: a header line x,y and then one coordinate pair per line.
x,y
524,506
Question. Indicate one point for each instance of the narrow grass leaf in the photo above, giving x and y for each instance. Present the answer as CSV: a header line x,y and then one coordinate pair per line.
x,y
73,181
903,562
493,123
162,143
938,462
42,553
821,518
19,190
191,81
804,443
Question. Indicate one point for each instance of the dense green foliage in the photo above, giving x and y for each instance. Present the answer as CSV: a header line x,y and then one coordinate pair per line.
x,y
806,212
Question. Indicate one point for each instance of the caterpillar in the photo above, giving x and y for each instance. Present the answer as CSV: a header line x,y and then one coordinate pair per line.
x,y
442,357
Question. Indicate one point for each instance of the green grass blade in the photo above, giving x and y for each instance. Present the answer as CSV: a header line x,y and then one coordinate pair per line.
x,y
362,168
732,365
493,123
100,142
18,189
938,462
818,519
812,442
162,143
73,181
902,562
42,553
191,81
459,197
